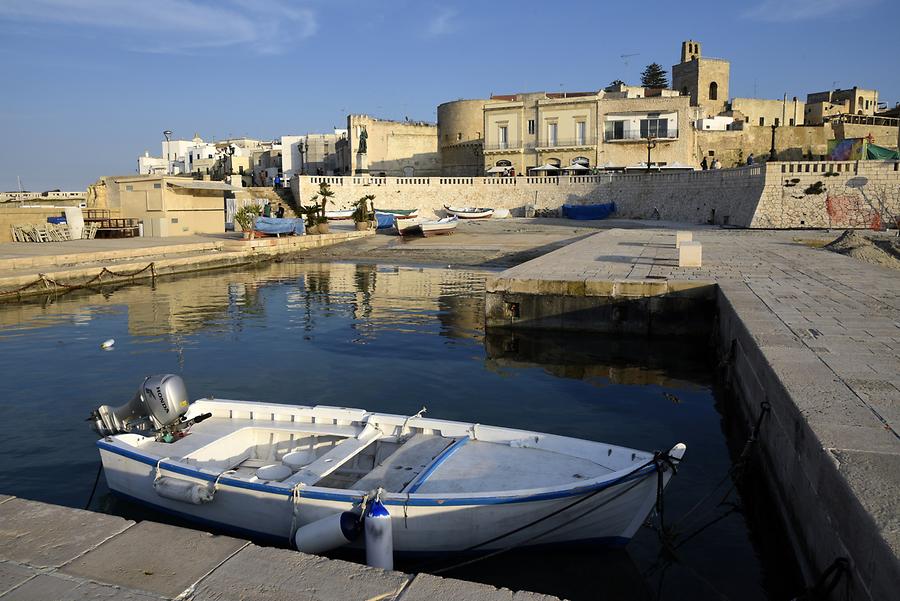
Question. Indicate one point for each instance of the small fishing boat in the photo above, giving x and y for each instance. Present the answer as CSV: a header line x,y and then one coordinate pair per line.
x,y
469,212
400,213
585,212
407,227
288,472
439,227
339,215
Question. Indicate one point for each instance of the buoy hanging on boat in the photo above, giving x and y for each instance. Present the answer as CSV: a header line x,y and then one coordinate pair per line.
x,y
379,535
328,533
108,344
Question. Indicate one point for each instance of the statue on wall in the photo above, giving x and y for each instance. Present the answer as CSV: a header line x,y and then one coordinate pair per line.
x,y
363,136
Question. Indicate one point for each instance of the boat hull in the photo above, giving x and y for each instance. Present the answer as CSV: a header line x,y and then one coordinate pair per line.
x,y
469,213
610,513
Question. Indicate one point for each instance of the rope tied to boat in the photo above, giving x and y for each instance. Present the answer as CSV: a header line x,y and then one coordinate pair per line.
x,y
661,461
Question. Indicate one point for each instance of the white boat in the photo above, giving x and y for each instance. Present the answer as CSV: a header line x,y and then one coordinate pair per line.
x,y
339,215
407,227
439,227
469,212
267,470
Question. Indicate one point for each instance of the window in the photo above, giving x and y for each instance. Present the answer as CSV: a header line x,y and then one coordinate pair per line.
x,y
531,126
459,136
777,121
713,91
157,186
655,128
551,134
580,129
502,136
791,122
209,156
762,120
129,188
615,130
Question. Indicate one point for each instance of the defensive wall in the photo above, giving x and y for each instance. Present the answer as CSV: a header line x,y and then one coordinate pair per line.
x,y
852,194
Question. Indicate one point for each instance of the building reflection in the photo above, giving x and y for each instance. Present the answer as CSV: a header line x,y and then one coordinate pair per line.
x,y
628,360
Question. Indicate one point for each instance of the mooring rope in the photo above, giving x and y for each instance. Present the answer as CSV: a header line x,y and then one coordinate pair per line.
x,y
47,281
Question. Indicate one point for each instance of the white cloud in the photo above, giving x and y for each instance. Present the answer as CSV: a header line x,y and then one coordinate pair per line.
x,y
442,23
175,26
802,10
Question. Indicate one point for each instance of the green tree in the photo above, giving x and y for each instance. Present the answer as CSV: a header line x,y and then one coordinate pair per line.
x,y
616,82
654,76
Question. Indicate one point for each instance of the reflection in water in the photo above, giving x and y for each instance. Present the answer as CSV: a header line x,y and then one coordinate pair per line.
x,y
388,339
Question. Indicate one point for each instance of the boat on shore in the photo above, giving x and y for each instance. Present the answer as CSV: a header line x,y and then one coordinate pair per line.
x,y
587,212
342,215
289,472
469,212
407,227
400,213
439,227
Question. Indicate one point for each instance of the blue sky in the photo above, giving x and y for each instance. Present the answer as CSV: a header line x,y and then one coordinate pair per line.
x,y
88,85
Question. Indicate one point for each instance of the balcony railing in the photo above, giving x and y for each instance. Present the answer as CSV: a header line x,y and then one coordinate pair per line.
x,y
567,142
513,145
636,134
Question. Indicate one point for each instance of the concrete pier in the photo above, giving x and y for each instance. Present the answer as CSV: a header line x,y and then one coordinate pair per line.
x,y
814,334
51,552
78,261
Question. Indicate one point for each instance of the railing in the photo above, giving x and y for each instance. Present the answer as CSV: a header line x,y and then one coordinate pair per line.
x,y
567,142
512,145
630,135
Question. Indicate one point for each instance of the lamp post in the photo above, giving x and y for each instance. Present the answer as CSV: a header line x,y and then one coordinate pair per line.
x,y
651,144
773,156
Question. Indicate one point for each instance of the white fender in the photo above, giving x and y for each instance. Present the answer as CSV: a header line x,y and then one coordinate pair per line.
x,y
275,471
183,490
328,533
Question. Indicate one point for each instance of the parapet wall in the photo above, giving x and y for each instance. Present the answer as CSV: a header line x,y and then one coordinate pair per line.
x,y
825,194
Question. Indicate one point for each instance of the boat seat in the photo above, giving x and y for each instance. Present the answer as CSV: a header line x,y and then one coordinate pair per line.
x,y
335,457
403,465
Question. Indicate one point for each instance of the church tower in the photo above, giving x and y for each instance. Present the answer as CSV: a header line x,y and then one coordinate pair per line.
x,y
705,80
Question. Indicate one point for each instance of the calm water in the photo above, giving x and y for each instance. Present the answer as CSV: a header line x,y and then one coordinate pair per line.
x,y
390,339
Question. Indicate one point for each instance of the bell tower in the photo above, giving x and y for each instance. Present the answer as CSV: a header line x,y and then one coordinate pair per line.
x,y
705,80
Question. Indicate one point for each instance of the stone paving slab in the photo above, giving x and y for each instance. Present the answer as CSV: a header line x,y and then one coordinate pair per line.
x,y
43,535
426,587
155,557
53,587
13,574
283,575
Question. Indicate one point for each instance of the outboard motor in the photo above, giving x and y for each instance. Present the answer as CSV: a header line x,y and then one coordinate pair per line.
x,y
157,408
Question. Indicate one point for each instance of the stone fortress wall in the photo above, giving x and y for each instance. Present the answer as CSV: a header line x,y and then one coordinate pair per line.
x,y
861,194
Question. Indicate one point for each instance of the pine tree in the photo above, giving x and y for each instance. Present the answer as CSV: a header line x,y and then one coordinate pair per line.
x,y
654,77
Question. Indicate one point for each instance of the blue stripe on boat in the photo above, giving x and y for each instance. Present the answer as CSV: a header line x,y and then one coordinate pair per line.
x,y
436,463
308,493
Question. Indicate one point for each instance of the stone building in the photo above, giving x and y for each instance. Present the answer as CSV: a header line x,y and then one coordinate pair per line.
x,y
704,79
820,106
764,113
311,153
606,129
394,148
461,137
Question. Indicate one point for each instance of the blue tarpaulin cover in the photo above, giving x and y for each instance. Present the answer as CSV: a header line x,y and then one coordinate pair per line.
x,y
385,220
600,211
273,225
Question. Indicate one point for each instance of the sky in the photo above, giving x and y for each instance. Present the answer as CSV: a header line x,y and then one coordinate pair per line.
x,y
89,85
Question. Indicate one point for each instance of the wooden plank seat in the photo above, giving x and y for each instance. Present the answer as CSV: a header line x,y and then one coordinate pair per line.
x,y
337,456
402,466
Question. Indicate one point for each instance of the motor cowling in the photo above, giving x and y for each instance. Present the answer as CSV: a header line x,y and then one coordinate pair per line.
x,y
161,401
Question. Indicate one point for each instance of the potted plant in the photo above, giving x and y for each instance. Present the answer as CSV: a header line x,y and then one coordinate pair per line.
x,y
311,213
325,192
245,218
363,216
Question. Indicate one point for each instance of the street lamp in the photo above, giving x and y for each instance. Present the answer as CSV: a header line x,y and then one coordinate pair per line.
x,y
167,133
651,144
773,156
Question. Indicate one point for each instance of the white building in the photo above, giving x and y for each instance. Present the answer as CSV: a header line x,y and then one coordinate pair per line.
x,y
718,123
311,153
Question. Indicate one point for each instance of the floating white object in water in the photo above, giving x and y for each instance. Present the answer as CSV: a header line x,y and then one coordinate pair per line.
x,y
108,344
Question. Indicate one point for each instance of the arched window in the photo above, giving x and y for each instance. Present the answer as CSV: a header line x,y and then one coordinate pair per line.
x,y
581,161
713,90
554,162
860,102
504,163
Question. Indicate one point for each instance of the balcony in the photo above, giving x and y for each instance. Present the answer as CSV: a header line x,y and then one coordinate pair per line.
x,y
513,145
635,135
580,142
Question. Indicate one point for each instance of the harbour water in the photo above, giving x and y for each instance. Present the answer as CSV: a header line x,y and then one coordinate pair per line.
x,y
395,339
